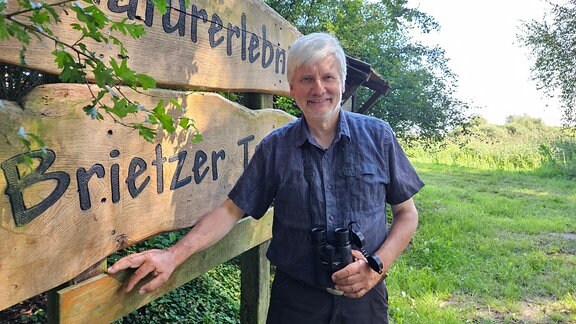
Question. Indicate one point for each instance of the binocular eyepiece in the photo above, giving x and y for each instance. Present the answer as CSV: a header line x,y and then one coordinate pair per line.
x,y
330,258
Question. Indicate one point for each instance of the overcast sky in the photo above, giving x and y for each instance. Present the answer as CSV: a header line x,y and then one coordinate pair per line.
x,y
494,71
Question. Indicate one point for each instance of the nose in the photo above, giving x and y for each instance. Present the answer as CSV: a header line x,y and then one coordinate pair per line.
x,y
318,87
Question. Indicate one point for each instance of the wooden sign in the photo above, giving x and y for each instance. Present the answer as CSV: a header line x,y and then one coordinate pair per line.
x,y
190,47
98,187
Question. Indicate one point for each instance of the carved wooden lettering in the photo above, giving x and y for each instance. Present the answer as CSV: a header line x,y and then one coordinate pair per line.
x,y
16,183
200,42
98,187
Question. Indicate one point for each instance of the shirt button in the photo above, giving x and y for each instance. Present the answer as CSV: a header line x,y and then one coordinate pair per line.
x,y
331,217
329,187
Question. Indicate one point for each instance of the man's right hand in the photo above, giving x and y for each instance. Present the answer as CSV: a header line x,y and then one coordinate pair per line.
x,y
159,263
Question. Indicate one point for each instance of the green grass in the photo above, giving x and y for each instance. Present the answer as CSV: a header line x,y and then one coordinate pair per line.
x,y
491,247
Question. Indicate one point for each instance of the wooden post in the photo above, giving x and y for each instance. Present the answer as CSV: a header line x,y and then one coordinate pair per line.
x,y
255,285
258,101
53,305
254,266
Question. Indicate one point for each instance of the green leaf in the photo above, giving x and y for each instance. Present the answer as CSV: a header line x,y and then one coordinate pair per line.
x,y
145,81
39,17
71,71
80,28
185,123
52,12
100,95
82,47
146,132
37,139
152,119
123,72
62,58
135,30
122,107
165,120
197,138
4,33
20,33
103,75
161,5
93,112
100,19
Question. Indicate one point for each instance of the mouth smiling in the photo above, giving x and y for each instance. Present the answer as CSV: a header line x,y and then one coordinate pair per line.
x,y
318,101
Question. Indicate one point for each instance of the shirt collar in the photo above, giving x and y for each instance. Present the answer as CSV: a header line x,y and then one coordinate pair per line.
x,y
341,130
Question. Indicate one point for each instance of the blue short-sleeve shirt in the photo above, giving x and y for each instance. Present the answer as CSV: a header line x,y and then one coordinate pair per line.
x,y
353,180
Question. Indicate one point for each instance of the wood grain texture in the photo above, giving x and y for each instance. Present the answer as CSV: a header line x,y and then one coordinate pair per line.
x,y
234,45
103,300
66,238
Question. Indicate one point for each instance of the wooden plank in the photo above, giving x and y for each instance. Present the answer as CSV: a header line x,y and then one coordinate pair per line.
x,y
255,280
193,48
103,300
140,189
53,299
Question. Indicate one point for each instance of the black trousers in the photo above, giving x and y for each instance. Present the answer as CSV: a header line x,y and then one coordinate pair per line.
x,y
292,301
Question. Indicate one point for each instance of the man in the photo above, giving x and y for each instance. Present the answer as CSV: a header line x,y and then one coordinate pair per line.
x,y
329,170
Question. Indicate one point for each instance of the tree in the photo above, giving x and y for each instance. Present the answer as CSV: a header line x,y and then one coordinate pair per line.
x,y
551,43
421,101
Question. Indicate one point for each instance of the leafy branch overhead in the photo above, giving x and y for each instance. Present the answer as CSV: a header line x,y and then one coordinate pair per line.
x,y
79,64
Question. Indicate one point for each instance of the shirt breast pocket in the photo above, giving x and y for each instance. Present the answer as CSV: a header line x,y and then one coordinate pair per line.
x,y
365,187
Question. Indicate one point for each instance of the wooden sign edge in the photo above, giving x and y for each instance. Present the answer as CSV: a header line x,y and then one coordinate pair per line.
x,y
101,298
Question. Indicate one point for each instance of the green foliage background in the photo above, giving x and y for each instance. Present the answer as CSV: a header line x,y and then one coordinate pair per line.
x,y
421,99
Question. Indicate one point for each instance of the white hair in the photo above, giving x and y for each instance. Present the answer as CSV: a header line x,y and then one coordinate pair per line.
x,y
309,49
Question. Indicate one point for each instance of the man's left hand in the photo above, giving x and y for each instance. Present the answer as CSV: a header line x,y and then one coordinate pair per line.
x,y
357,278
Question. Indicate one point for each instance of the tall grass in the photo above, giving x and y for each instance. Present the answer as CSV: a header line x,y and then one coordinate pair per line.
x,y
553,151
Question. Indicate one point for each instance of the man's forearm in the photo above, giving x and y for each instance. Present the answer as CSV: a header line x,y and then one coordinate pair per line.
x,y
212,227
403,227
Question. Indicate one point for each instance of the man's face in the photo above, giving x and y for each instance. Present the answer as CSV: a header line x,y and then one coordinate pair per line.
x,y
317,89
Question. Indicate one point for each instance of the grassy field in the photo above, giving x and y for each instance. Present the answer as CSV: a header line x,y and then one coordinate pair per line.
x,y
492,246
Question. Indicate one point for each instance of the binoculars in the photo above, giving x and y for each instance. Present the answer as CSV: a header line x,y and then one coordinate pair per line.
x,y
329,258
